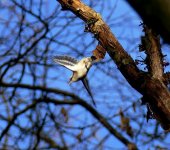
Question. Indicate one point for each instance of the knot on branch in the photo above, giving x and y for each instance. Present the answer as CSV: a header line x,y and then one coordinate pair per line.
x,y
93,25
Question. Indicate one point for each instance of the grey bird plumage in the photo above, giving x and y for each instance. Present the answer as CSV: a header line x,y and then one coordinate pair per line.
x,y
79,68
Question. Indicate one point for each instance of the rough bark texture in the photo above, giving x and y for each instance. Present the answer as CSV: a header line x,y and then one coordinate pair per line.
x,y
150,84
154,59
156,14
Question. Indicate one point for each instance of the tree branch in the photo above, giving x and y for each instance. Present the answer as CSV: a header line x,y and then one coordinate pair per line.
x,y
50,90
98,27
154,58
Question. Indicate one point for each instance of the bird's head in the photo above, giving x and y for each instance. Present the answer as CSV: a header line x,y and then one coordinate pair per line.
x,y
88,62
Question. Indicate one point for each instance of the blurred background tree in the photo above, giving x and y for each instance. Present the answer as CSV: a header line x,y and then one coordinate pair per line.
x,y
39,110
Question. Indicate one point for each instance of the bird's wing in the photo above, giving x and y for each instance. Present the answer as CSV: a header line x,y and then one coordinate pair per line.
x,y
66,61
86,84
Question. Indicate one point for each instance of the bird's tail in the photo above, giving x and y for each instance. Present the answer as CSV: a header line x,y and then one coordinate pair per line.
x,y
86,85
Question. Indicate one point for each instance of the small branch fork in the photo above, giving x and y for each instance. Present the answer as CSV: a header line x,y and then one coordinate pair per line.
x,y
151,84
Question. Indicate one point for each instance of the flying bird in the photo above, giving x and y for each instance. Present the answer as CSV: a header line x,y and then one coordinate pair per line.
x,y
79,68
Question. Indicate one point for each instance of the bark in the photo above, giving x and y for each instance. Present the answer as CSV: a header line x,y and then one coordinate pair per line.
x,y
150,85
156,14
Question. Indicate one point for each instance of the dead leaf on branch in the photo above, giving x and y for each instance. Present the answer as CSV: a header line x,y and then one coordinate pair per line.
x,y
64,113
99,53
125,124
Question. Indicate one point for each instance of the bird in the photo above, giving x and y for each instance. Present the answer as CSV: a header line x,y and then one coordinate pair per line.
x,y
79,68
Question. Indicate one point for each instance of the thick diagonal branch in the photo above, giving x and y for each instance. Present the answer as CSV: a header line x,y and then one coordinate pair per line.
x,y
106,39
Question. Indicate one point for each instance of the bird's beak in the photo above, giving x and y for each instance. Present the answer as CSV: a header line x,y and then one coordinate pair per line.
x,y
93,59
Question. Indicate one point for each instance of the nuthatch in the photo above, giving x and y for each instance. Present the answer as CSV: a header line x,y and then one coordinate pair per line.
x,y
79,68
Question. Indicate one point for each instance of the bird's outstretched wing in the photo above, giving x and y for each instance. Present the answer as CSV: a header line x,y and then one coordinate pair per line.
x,y
86,84
66,61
